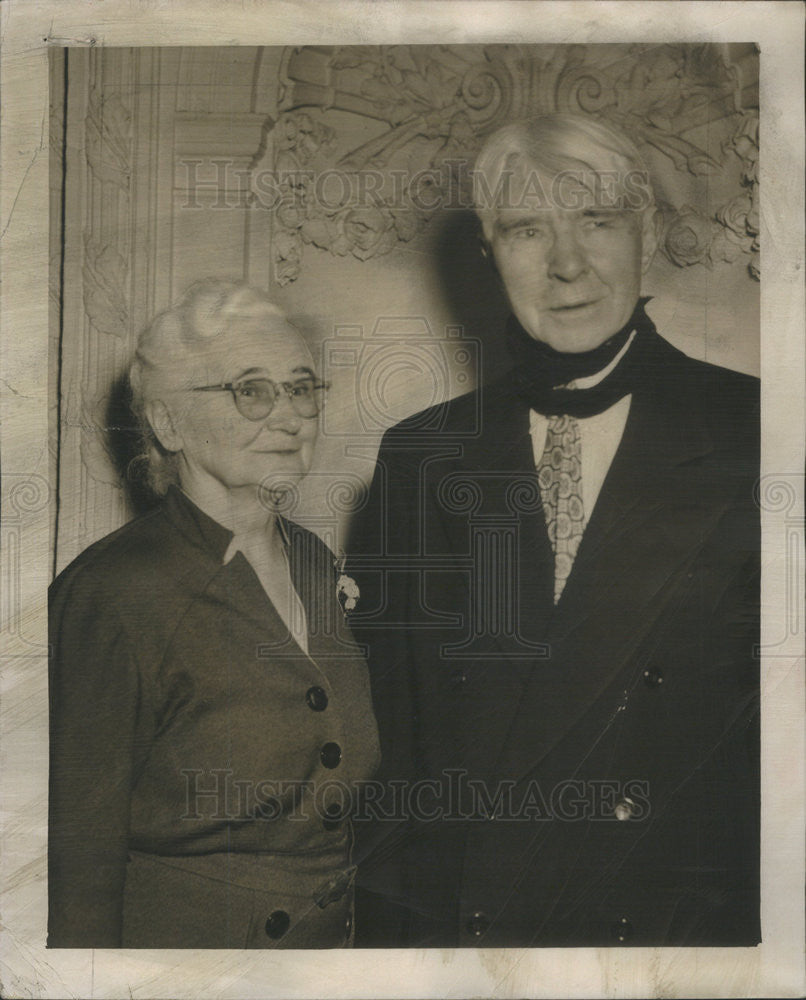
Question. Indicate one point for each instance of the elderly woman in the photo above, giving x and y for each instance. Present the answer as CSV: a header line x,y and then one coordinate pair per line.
x,y
210,714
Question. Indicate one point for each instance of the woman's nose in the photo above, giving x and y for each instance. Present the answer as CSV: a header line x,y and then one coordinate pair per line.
x,y
283,415
567,260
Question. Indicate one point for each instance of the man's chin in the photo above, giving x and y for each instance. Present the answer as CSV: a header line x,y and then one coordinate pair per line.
x,y
571,341
575,333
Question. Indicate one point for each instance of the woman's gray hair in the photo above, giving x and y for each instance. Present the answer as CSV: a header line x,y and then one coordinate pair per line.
x,y
168,346
553,145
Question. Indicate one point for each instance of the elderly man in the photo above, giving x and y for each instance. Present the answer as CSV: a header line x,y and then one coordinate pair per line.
x,y
560,597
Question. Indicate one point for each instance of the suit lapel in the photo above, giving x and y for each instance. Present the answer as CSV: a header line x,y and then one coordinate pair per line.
x,y
665,429
645,530
498,467
236,584
314,577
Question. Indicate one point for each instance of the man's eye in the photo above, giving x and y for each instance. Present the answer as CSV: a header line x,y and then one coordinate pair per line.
x,y
598,221
527,233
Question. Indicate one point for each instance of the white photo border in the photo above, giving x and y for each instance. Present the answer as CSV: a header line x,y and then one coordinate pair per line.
x,y
27,29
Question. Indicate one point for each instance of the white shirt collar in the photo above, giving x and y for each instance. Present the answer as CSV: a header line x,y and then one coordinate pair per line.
x,y
588,381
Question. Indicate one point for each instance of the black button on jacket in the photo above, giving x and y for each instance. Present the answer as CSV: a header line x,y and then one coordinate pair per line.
x,y
187,790
536,723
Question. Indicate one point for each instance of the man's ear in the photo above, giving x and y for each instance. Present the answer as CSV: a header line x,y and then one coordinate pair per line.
x,y
163,424
486,251
651,227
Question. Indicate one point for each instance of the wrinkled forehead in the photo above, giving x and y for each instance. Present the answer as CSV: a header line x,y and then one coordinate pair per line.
x,y
258,343
608,181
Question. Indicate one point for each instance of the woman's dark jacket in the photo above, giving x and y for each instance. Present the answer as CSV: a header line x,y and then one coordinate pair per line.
x,y
202,765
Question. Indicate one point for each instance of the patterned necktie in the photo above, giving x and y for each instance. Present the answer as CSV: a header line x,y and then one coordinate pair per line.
x,y
559,474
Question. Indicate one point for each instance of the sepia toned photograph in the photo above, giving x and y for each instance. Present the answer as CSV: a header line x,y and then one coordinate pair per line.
x,y
403,483
532,503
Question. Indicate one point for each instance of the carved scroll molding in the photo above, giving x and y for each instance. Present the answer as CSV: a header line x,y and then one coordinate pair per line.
x,y
107,257
98,318
427,110
97,314
56,74
24,495
136,120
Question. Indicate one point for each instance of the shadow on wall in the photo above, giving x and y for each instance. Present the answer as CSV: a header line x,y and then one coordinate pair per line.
x,y
124,447
472,289
474,300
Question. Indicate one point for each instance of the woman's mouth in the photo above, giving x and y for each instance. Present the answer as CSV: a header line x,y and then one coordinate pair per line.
x,y
573,307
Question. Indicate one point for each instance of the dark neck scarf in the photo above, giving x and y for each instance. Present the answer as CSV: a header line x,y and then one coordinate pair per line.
x,y
539,370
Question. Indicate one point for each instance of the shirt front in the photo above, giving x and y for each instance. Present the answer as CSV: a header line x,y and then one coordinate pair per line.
x,y
600,434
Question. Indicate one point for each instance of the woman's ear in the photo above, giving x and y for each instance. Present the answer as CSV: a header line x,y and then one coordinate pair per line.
x,y
163,424
651,228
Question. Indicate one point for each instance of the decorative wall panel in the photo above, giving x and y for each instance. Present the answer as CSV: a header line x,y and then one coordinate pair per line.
x,y
430,108
136,118
337,178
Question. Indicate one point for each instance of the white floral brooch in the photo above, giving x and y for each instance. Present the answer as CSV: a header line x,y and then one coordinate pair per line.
x,y
347,591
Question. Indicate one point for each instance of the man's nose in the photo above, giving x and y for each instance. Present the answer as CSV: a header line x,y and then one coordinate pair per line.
x,y
567,260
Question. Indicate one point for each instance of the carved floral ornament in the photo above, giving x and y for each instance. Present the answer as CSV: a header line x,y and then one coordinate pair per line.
x,y
427,110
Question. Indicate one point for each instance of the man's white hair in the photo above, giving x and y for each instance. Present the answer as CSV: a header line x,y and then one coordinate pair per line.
x,y
551,146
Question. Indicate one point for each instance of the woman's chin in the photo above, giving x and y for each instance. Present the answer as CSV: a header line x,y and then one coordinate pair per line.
x,y
283,468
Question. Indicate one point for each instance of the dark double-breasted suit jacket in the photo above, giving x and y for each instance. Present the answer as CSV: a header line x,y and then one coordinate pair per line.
x,y
578,775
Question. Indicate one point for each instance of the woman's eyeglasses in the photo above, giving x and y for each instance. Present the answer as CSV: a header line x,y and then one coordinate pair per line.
x,y
257,397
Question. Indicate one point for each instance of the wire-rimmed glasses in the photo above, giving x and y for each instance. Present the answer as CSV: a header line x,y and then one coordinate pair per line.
x,y
255,398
